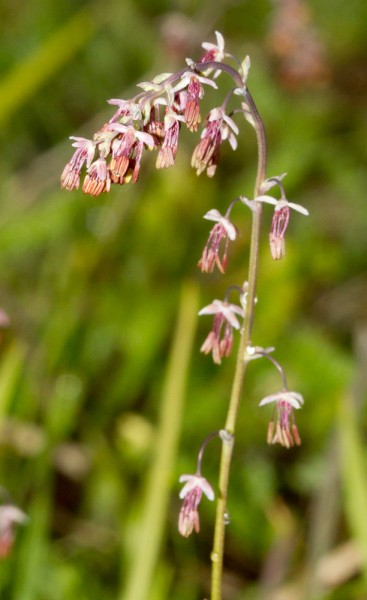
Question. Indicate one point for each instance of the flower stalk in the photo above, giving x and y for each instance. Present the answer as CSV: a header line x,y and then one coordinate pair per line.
x,y
241,363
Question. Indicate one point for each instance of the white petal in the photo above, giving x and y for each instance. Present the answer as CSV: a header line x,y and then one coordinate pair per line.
x,y
267,199
231,123
207,489
207,81
229,314
213,215
296,398
230,228
120,127
299,208
292,398
246,63
233,141
269,399
186,489
228,311
212,309
146,138
220,40
194,481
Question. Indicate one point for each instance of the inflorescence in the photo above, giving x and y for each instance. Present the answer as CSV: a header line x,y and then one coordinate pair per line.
x,y
152,121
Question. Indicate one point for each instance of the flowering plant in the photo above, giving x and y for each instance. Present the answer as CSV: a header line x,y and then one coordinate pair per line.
x,y
152,120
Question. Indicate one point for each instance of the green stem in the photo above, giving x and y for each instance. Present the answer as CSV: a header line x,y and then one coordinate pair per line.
x,y
241,363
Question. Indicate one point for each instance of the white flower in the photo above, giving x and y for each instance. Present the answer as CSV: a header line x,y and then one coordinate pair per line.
x,y
196,481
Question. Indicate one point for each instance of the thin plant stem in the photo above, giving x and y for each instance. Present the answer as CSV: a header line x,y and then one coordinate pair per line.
x,y
241,363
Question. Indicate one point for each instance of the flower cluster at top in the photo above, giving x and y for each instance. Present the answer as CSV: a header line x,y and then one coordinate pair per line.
x,y
152,120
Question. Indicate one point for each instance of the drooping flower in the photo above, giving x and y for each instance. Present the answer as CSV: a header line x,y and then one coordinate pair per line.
x,y
195,93
206,154
167,153
84,153
127,148
280,223
284,431
97,179
223,230
10,516
218,343
191,96
191,494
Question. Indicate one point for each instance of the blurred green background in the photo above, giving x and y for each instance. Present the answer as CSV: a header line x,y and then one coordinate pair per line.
x,y
104,396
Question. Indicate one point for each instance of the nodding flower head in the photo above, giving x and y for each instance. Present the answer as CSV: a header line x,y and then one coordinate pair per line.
x,y
84,153
167,154
285,431
98,178
191,494
206,154
218,343
280,222
224,231
193,92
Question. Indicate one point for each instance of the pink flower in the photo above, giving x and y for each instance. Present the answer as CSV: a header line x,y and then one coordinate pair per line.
x,y
9,516
206,154
98,178
190,97
127,148
191,494
224,316
70,177
280,222
195,93
214,52
222,230
285,431
167,154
